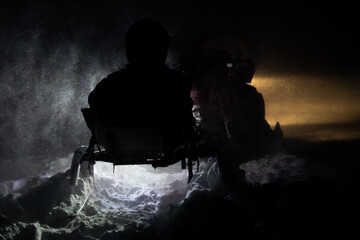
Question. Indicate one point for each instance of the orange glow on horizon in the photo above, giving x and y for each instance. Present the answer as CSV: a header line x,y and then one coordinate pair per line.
x,y
310,100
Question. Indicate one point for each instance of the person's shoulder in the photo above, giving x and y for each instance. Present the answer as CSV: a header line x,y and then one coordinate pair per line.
x,y
253,93
109,79
248,91
249,88
115,75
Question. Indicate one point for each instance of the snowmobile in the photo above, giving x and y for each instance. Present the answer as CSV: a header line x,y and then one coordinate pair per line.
x,y
135,145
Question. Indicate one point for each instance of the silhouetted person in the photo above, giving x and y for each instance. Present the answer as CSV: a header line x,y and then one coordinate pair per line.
x,y
232,112
146,92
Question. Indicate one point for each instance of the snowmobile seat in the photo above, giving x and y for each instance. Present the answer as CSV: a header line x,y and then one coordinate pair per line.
x,y
120,144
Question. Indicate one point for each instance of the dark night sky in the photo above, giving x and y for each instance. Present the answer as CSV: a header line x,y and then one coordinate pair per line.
x,y
295,35
54,52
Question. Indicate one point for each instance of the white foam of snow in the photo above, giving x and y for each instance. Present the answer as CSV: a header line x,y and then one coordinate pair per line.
x,y
137,187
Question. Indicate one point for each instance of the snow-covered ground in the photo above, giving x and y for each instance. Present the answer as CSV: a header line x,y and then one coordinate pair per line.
x,y
46,207
139,202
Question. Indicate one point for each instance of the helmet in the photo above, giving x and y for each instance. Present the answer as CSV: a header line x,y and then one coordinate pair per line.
x,y
231,56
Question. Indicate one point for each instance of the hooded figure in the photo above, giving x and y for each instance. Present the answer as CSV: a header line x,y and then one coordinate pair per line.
x,y
146,92
231,112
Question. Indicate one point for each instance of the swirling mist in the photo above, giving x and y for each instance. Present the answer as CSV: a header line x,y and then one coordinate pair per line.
x,y
46,76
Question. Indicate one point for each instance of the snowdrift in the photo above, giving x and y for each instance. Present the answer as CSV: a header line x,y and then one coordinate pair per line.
x,y
138,202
